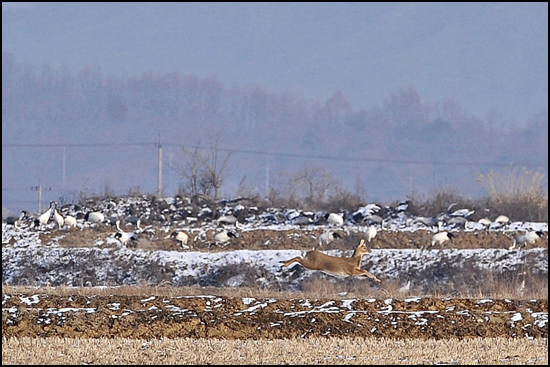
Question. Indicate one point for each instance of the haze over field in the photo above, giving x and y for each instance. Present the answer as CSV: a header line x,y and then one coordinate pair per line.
x,y
384,99
486,55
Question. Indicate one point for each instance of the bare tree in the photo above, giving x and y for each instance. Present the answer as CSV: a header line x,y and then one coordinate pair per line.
x,y
315,183
201,172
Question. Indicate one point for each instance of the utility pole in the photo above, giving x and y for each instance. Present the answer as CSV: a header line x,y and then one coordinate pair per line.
x,y
159,188
40,199
39,189
267,179
64,165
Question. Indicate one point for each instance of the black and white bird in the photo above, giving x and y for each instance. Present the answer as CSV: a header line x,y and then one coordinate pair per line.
x,y
44,218
457,222
123,236
334,219
374,219
94,217
429,222
227,219
441,237
223,237
302,220
70,221
15,221
328,236
485,222
521,240
502,221
464,213
147,230
182,238
58,218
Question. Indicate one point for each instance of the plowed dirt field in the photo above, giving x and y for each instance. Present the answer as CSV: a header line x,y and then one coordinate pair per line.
x,y
268,318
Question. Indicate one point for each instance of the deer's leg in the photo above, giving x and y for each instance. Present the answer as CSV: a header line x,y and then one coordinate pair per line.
x,y
370,275
289,262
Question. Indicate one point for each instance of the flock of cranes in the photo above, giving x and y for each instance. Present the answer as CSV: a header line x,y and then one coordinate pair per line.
x,y
126,238
333,221
313,259
51,214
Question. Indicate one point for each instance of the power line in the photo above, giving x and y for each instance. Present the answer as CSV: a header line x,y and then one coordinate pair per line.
x,y
57,145
287,155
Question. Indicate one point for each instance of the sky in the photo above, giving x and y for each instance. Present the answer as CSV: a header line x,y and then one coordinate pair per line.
x,y
487,56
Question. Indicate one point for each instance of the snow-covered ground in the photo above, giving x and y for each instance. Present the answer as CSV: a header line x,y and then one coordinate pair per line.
x,y
25,261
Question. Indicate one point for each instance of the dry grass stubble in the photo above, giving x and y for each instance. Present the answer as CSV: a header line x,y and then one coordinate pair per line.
x,y
480,351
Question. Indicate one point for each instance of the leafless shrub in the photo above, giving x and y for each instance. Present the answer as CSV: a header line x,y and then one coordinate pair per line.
x,y
157,273
242,274
312,188
202,173
314,184
520,193
68,197
287,198
437,203
107,190
135,191
282,192
342,200
467,281
522,196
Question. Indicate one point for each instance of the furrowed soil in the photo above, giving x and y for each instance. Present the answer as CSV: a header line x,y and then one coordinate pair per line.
x,y
133,316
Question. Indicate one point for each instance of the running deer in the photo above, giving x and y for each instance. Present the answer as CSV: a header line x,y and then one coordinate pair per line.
x,y
336,266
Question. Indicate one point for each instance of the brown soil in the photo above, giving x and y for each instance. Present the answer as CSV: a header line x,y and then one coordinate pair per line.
x,y
300,239
267,318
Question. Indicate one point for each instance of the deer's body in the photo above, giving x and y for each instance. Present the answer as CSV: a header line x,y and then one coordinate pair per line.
x,y
332,265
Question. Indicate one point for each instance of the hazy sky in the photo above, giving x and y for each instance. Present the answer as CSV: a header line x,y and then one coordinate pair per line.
x,y
485,55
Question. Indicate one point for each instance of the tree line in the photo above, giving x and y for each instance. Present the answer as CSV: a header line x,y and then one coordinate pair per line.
x,y
403,143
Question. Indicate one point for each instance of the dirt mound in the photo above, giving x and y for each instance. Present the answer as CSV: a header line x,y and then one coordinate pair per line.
x,y
300,239
268,318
